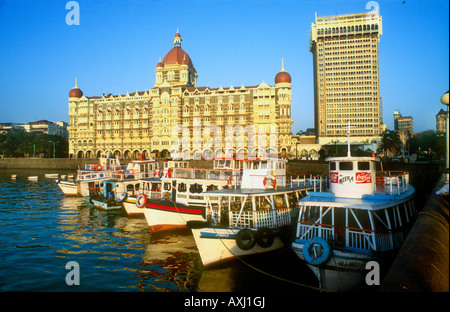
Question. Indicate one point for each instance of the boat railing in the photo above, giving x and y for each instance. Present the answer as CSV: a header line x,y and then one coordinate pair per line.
x,y
318,182
354,237
152,194
261,218
392,182
84,175
128,175
205,174
360,238
309,230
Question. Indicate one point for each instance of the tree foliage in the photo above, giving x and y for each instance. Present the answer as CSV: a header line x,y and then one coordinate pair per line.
x,y
390,141
19,143
428,142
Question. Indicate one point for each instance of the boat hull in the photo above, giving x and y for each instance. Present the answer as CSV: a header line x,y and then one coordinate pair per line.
x,y
104,205
344,271
130,207
165,215
68,188
218,245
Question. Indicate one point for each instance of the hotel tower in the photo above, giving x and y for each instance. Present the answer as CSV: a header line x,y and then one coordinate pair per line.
x,y
346,77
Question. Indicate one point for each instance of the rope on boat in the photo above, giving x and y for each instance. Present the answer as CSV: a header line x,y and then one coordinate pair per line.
x,y
272,275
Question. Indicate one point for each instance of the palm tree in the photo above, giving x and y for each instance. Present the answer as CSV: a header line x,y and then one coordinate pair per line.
x,y
390,141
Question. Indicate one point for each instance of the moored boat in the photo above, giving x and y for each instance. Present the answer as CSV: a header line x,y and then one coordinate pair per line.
x,y
364,217
69,188
253,219
180,195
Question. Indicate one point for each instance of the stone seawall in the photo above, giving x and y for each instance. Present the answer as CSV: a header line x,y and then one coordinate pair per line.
x,y
44,163
422,263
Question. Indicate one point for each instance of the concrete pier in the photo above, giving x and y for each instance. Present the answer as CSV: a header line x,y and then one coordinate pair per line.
x,y
422,264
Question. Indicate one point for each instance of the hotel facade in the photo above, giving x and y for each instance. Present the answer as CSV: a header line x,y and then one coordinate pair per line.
x,y
346,77
180,119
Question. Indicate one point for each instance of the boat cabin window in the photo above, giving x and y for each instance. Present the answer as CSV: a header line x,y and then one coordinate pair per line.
x,y
345,165
332,165
263,165
363,165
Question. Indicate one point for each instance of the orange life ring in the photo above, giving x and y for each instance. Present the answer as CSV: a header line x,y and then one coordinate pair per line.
x,y
169,173
141,201
99,167
274,183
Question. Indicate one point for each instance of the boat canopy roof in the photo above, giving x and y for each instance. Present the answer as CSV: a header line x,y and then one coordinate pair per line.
x,y
252,192
351,158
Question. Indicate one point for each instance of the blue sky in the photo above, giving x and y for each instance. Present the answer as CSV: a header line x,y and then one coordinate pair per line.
x,y
117,45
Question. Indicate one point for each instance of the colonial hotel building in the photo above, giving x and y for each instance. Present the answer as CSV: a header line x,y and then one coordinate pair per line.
x,y
142,122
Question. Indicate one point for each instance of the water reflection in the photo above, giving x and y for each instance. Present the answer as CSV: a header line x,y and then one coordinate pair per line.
x,y
41,230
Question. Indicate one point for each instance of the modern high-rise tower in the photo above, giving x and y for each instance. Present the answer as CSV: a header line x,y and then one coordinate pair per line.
x,y
346,76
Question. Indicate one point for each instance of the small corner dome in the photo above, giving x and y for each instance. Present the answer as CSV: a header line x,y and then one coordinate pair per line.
x,y
283,77
75,92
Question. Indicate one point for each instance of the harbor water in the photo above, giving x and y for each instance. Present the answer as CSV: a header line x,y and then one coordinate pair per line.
x,y
41,231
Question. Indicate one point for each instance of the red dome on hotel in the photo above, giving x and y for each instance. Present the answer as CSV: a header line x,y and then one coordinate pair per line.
x,y
177,56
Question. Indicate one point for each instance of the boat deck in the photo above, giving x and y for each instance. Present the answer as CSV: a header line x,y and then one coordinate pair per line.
x,y
375,201
257,191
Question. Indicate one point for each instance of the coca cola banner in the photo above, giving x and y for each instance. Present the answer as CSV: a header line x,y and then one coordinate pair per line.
x,y
363,177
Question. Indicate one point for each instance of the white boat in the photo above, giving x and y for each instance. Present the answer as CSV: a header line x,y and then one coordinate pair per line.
x,y
51,175
256,218
69,188
364,217
180,186
32,178
147,184
182,196
151,188
87,179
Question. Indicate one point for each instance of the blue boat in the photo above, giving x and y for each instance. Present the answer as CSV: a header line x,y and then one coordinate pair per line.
x,y
358,224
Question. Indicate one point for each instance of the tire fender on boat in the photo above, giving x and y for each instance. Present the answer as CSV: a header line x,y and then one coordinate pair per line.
x,y
264,237
245,239
141,201
324,257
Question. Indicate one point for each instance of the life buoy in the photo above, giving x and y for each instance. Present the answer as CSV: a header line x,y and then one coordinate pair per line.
x,y
141,201
274,183
99,167
121,197
264,237
245,239
313,259
169,173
